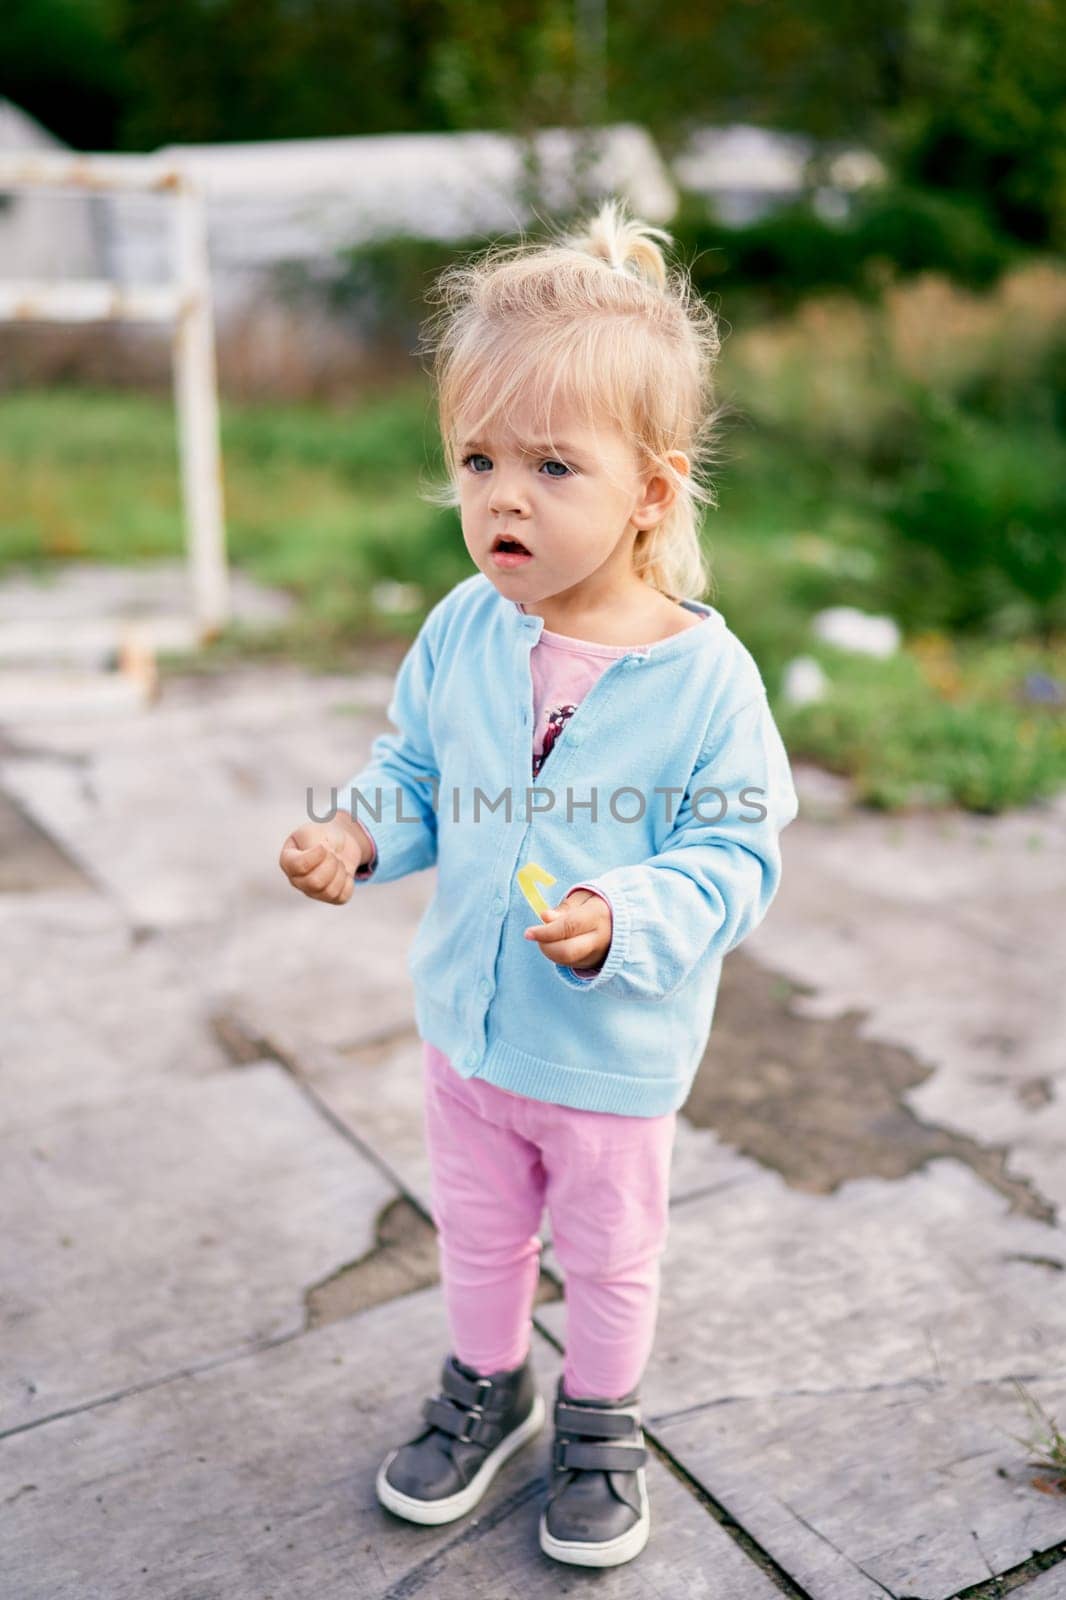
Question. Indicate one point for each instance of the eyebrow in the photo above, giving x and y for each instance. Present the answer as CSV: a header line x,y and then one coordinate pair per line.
x,y
536,447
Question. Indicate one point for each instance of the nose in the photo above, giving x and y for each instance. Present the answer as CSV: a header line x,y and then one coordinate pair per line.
x,y
506,496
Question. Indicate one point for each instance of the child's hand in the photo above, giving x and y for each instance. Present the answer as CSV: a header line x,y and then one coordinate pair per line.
x,y
577,932
320,858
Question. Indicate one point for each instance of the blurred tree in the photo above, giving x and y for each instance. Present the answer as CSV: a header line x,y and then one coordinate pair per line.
x,y
830,68
982,110
960,95
220,70
522,66
61,62
505,66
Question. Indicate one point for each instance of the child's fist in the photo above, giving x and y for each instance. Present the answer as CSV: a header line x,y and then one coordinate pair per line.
x,y
320,858
577,932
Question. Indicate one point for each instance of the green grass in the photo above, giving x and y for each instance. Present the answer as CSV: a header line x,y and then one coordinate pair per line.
x,y
324,501
1049,1449
950,727
318,500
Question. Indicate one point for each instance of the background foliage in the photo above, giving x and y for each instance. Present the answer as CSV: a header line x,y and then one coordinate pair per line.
x,y
960,97
895,370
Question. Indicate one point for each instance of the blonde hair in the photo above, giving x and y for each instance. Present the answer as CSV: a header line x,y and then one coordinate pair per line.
x,y
598,316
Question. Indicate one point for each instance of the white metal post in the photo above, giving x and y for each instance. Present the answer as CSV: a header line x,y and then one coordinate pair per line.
x,y
196,398
186,302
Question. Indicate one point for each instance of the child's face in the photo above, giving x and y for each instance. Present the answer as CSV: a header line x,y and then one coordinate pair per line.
x,y
577,510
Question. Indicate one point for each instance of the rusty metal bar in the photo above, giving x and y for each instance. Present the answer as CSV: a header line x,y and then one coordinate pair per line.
x,y
59,169
186,303
88,300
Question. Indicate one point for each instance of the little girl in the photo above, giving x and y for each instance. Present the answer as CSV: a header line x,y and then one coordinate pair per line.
x,y
574,390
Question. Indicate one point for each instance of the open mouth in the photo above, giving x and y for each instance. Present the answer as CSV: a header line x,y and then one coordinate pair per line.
x,y
509,552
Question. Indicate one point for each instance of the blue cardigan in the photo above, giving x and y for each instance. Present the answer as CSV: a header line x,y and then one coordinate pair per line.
x,y
667,791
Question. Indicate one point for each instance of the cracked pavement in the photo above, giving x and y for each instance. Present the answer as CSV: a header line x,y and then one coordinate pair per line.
x,y
221,1304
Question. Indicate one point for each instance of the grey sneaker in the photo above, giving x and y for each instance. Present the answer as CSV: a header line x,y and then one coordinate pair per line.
x,y
597,1514
472,1427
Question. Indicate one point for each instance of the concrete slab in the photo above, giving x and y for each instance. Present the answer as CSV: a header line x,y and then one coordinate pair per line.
x,y
377,1092
840,1355
818,1101
168,1229
910,1491
30,696
66,611
891,1311
309,978
255,1481
91,1012
228,765
29,859
380,1100
63,631
946,934
925,1279
91,643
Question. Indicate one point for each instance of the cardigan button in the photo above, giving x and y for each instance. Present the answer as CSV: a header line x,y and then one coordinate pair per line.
x,y
498,904
471,1058
485,986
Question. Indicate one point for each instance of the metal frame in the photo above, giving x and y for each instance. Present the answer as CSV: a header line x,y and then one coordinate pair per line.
x,y
185,302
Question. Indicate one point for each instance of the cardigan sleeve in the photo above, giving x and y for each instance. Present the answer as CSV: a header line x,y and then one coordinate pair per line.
x,y
392,797
719,868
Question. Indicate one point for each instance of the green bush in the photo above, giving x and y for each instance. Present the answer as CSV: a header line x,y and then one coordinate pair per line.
x,y
891,231
932,423
978,525
972,740
926,230
776,260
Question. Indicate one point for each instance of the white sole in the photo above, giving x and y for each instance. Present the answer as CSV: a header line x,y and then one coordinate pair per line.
x,y
611,1552
432,1512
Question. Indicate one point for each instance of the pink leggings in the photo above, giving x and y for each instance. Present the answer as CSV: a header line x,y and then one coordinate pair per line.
x,y
495,1158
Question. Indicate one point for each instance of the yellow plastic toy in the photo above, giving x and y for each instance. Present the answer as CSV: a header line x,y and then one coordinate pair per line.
x,y
528,878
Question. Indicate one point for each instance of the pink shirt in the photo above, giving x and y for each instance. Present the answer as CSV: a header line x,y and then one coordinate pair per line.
x,y
563,671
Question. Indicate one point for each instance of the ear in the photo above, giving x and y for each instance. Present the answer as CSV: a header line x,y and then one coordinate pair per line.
x,y
659,492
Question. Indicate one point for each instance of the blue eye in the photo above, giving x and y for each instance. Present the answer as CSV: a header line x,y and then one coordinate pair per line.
x,y
476,455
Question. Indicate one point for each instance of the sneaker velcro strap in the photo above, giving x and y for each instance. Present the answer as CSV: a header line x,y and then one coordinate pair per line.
x,y
467,1426
597,1424
602,1457
468,1391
